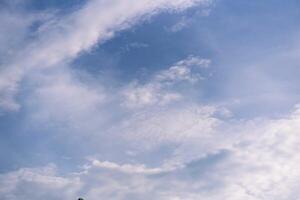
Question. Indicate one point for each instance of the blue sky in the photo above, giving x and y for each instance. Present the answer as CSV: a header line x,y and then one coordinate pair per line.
x,y
149,99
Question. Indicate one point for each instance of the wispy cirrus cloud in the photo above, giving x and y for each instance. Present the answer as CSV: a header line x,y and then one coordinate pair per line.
x,y
160,89
148,139
61,39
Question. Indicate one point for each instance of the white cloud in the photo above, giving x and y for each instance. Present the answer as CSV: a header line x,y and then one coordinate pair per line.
x,y
170,125
64,100
129,168
159,90
211,158
7,100
61,39
259,161
181,24
184,70
15,29
37,183
137,96
260,164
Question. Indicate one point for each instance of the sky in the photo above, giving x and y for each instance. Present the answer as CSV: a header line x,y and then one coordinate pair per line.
x,y
149,99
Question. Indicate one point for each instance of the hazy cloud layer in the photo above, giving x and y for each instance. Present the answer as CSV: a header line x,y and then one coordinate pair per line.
x,y
258,164
154,136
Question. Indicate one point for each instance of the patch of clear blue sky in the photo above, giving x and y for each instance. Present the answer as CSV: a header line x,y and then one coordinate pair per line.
x,y
240,37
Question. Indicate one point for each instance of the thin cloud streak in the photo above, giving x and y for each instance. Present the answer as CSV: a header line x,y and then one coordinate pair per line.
x,y
60,40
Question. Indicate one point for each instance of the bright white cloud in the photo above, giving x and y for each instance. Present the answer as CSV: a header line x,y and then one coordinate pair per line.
x,y
160,89
184,70
260,164
175,125
59,40
137,96
129,168
210,158
37,183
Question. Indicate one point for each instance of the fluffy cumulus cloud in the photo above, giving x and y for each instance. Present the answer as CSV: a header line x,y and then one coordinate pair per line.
x,y
147,139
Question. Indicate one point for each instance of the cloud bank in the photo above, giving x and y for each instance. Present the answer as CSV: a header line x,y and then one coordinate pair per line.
x,y
259,164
